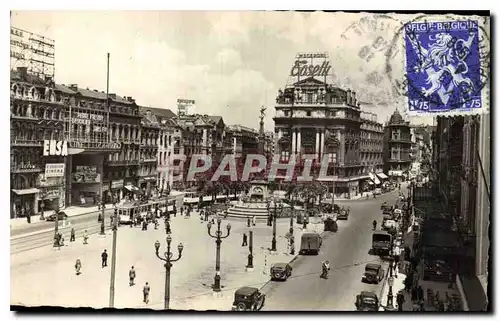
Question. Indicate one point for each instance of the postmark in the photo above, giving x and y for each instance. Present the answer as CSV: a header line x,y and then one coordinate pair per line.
x,y
446,66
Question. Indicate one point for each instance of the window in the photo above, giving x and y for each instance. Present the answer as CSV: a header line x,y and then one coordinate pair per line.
x,y
309,98
285,155
286,113
308,114
332,158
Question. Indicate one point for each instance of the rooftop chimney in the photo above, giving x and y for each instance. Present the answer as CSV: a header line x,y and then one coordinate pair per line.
x,y
112,96
73,87
129,98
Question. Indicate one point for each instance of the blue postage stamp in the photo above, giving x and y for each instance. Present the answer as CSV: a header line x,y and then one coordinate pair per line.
x,y
443,67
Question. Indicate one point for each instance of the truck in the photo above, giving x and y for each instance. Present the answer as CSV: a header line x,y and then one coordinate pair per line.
x,y
381,242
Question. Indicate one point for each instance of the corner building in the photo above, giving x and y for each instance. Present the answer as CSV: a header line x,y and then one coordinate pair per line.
x,y
314,117
397,147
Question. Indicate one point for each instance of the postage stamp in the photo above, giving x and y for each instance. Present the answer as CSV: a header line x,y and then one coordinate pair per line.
x,y
445,69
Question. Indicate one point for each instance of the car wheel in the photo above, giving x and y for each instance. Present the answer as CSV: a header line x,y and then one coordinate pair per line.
x,y
241,306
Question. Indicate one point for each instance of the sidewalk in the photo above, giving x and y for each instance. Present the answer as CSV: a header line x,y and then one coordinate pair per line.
x,y
51,271
70,211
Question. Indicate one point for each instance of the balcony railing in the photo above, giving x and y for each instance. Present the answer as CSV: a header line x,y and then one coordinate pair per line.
x,y
94,145
148,160
19,117
400,140
26,142
25,169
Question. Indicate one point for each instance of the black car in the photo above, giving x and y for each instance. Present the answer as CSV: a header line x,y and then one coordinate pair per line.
x,y
330,225
248,299
367,301
60,216
281,271
343,214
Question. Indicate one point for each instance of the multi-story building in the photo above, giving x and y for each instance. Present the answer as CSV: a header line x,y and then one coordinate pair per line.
x,y
37,114
317,118
371,151
244,140
462,154
397,147
150,140
101,130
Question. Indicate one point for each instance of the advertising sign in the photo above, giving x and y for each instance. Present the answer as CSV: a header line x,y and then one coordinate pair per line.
x,y
55,148
54,170
117,184
86,174
84,118
31,51
185,106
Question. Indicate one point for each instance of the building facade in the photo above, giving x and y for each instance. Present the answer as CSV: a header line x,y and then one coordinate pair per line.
x,y
148,161
397,147
371,151
464,176
37,114
316,118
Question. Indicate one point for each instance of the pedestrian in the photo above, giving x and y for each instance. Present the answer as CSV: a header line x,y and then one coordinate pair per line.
x,y
145,292
400,299
78,266
175,210
85,237
245,243
248,221
61,239
72,236
104,258
206,216
131,276
253,220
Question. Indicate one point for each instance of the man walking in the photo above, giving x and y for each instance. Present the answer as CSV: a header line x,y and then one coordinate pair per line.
x,y
145,292
167,227
85,237
104,257
72,236
131,276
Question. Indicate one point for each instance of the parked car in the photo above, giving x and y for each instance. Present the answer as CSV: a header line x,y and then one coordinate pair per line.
x,y
367,301
343,214
373,273
389,225
281,271
384,206
331,225
60,216
248,299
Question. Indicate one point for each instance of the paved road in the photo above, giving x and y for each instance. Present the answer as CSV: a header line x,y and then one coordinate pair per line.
x,y
347,250
79,220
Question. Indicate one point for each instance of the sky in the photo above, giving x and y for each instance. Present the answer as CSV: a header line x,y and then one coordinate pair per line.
x,y
230,63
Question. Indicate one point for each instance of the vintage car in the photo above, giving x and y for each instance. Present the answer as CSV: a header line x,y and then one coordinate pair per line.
x,y
331,225
248,299
389,225
373,273
343,214
280,271
384,206
367,301
60,216
310,243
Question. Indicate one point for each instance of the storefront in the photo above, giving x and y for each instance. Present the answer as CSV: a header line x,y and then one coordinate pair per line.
x,y
147,184
116,191
130,190
24,201
85,179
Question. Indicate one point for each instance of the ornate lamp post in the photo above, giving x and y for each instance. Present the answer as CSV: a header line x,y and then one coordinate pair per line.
x,y
218,240
390,305
167,258
275,214
56,226
250,249
268,213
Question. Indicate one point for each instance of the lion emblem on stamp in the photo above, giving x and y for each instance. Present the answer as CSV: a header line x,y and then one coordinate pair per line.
x,y
443,66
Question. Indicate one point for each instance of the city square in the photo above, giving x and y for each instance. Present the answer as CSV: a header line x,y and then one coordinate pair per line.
x,y
297,181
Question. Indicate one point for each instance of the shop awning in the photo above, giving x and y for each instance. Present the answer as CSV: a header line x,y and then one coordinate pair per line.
x,y
382,176
132,188
26,191
374,178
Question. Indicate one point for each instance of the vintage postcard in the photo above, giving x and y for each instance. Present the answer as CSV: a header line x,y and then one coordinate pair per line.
x,y
250,161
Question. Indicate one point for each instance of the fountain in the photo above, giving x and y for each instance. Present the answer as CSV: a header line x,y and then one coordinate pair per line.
x,y
253,204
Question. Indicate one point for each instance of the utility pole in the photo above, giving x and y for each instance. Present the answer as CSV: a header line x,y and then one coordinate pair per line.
x,y
113,261
103,232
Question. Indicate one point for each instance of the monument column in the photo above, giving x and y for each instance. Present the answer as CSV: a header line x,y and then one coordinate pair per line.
x,y
316,151
298,141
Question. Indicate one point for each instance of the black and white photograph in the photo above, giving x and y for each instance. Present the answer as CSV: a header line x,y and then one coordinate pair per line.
x,y
249,161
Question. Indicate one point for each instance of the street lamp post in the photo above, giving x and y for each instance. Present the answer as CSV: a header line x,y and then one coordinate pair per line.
x,y
218,240
275,214
113,259
268,213
250,248
56,226
102,215
167,258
